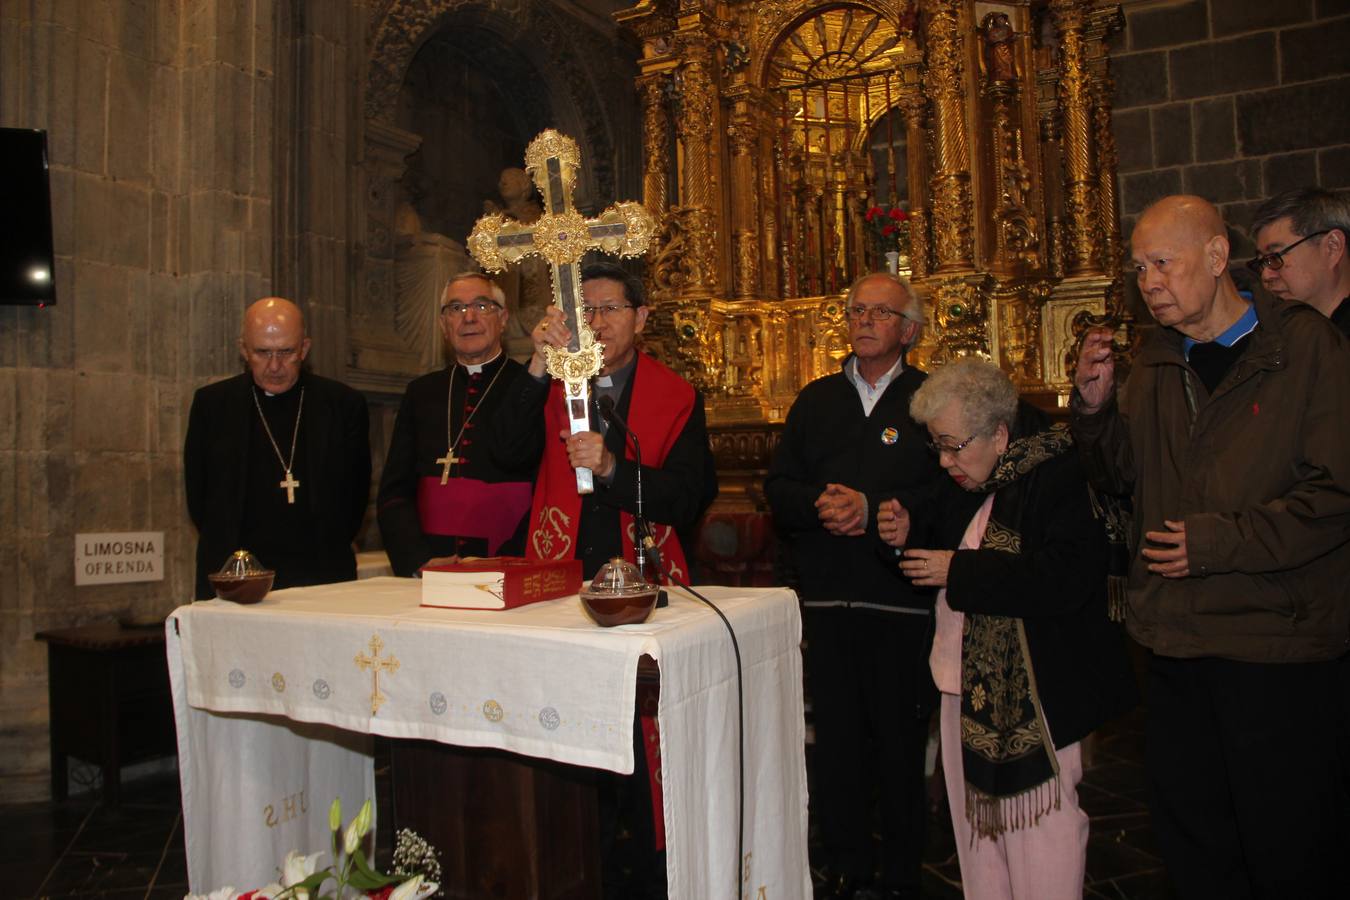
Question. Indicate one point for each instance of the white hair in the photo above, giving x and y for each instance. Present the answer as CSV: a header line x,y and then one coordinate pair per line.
x,y
988,397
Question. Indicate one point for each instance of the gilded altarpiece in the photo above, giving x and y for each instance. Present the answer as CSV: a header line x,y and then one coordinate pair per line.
x,y
772,127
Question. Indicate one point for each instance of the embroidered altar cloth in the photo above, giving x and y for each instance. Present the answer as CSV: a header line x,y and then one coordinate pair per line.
x,y
275,701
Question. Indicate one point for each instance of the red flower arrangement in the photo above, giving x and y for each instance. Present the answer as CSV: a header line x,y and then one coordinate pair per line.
x,y
889,229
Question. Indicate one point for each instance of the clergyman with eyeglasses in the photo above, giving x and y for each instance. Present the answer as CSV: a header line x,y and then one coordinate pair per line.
x,y
277,459
848,446
442,497
665,413
1302,236
1232,437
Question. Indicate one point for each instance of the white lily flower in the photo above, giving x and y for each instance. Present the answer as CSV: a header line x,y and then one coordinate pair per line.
x,y
409,890
297,868
357,829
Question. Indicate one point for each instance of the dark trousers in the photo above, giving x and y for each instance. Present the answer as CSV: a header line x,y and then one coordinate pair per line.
x,y
871,696
1243,760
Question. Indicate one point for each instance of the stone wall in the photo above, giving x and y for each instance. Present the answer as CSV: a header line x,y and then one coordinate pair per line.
x,y
1234,100
160,130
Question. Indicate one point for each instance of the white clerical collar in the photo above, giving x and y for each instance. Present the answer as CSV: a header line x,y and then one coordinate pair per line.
x,y
478,367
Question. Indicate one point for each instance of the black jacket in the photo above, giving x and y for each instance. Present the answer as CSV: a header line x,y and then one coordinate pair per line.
x,y
1056,585
335,430
828,439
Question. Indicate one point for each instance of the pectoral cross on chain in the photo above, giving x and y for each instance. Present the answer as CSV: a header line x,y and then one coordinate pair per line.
x,y
290,484
446,461
562,236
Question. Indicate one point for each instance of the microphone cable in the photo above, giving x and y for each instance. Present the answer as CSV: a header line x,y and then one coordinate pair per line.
x,y
648,542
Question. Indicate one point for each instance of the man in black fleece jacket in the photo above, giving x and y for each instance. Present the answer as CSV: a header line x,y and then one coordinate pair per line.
x,y
849,444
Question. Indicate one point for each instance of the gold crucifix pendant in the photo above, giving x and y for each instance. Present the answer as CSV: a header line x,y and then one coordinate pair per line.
x,y
289,484
446,461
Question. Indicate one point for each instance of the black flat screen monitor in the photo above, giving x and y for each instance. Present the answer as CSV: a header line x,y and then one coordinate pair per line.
x,y
26,260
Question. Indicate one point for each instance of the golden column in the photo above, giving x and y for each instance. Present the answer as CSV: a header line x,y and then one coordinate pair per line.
x,y
655,143
698,189
1080,178
1102,22
744,139
915,107
952,234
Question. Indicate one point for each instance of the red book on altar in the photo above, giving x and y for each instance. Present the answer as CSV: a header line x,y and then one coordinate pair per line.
x,y
499,582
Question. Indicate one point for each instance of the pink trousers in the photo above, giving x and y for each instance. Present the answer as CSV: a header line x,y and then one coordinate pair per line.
x,y
1042,862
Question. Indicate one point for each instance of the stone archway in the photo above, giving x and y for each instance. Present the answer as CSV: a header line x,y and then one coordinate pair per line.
x,y
527,38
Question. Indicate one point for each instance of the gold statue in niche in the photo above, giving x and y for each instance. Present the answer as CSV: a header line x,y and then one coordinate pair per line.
x,y
771,128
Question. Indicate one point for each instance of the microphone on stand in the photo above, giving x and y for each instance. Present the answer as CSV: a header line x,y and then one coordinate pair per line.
x,y
645,542
644,547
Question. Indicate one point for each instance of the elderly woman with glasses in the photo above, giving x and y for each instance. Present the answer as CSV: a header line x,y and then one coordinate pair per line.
x,y
1024,653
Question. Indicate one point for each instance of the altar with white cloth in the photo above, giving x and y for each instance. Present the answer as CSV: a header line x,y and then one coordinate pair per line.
x,y
275,704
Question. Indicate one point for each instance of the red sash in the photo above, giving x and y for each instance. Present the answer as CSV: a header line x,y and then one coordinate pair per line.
x,y
661,405
467,507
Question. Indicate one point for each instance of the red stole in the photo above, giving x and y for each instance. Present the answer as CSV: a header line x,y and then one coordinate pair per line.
x,y
661,405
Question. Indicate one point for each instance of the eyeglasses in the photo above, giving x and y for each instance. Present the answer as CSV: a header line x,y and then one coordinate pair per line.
x,y
1275,261
604,312
282,354
953,449
482,307
874,313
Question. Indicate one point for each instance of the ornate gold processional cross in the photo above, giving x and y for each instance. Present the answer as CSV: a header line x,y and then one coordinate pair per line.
x,y
375,666
446,461
562,236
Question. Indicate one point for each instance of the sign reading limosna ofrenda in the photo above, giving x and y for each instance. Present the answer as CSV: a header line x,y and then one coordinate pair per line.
x,y
111,557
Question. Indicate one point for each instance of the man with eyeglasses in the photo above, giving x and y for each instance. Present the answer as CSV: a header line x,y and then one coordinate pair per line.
x,y
441,495
663,409
277,459
1233,438
678,483
848,446
1301,236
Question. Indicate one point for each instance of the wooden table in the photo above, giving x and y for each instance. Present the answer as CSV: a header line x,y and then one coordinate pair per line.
x,y
110,703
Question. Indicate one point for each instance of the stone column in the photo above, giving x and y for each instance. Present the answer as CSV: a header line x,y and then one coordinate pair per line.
x,y
944,85
1080,174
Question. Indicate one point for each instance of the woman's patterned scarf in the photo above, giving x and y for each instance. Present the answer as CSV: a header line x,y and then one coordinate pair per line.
x,y
1008,759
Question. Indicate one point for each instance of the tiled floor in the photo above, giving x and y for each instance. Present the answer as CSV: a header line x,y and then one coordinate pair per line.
x,y
79,848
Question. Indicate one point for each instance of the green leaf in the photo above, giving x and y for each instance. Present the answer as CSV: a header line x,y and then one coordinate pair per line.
x,y
365,878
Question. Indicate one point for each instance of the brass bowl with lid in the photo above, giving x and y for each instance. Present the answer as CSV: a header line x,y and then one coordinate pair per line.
x,y
242,579
619,595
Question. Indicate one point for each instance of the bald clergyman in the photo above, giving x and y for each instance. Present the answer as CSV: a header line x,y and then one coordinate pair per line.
x,y
1232,437
277,459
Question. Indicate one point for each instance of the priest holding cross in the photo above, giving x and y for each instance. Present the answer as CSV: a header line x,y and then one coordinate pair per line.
x,y
585,493
586,490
